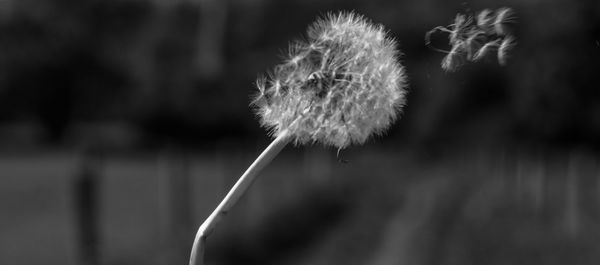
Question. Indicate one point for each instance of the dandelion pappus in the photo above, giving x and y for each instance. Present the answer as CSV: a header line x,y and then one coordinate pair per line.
x,y
320,82
472,37
503,15
507,44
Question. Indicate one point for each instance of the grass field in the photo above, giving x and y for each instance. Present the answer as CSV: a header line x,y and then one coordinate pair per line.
x,y
382,207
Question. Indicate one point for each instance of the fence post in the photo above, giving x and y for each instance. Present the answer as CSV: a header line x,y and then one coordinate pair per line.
x,y
87,208
175,210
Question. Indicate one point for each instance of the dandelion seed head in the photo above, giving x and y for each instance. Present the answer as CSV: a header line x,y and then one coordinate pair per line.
x,y
339,87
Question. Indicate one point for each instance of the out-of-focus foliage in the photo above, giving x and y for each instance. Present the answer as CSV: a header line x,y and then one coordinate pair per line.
x,y
185,69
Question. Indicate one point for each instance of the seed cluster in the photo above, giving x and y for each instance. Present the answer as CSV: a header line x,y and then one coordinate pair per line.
x,y
341,85
473,38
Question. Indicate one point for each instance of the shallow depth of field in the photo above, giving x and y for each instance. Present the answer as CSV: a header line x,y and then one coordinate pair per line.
x,y
124,122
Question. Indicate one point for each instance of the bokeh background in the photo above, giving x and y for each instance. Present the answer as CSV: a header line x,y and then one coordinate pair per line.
x,y
124,122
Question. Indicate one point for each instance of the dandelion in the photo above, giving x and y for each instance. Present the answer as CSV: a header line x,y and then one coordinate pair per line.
x,y
472,39
339,87
460,26
454,59
473,43
455,31
507,44
485,49
503,16
485,20
343,85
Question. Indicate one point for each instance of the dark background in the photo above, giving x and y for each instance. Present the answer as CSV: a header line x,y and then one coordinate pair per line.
x,y
124,122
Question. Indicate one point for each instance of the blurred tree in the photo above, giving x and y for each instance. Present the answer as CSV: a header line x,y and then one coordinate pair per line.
x,y
184,69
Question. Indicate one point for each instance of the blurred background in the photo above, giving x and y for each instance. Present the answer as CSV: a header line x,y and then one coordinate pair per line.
x,y
124,122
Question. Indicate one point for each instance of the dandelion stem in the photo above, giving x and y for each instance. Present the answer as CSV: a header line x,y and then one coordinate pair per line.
x,y
197,254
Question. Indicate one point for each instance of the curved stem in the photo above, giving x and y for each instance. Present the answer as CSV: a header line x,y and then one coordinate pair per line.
x,y
197,255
